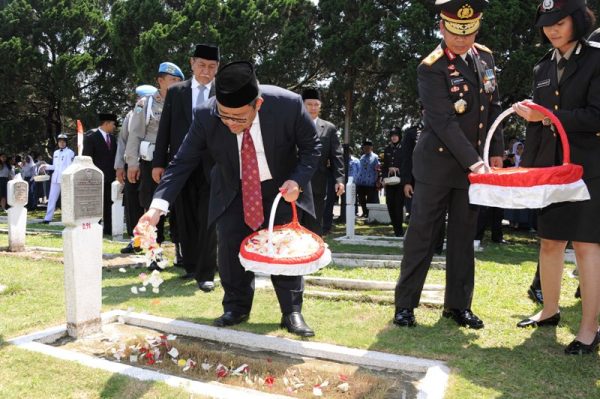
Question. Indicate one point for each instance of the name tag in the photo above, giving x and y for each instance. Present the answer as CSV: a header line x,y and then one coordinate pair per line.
x,y
457,81
543,83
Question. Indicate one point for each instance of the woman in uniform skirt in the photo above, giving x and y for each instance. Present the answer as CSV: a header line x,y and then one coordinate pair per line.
x,y
567,81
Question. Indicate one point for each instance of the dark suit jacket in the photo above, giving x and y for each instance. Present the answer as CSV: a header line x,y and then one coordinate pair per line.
x,y
452,141
175,121
95,147
407,146
332,157
575,101
290,141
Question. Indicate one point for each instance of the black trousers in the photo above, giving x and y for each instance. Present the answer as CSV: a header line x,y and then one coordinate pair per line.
x,y
131,201
198,242
394,198
366,195
315,224
239,283
106,209
490,216
330,199
428,209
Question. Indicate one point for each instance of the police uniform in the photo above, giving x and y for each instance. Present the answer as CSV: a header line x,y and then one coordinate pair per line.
x,y
61,159
394,194
461,100
575,101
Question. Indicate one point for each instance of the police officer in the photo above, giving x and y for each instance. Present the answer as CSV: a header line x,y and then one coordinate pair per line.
x,y
61,160
458,88
143,129
133,209
394,195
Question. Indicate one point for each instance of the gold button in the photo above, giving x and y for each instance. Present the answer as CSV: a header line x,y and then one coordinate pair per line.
x,y
482,108
556,107
480,91
441,149
557,92
481,125
478,142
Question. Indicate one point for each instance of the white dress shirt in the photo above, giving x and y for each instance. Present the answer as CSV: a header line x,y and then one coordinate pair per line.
x,y
256,134
196,89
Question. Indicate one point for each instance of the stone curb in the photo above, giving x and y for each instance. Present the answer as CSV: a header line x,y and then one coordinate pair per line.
x,y
356,284
379,261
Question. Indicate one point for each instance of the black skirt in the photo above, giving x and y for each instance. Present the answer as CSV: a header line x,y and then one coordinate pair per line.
x,y
573,221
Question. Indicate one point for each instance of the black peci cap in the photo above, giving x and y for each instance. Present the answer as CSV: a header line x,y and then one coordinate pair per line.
x,y
207,51
367,142
311,94
103,117
236,84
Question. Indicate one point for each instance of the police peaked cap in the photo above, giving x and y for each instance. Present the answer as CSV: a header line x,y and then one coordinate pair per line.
x,y
311,94
550,12
207,51
461,17
236,84
367,142
395,131
62,136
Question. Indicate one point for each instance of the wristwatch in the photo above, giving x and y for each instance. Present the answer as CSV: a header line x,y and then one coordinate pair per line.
x,y
546,121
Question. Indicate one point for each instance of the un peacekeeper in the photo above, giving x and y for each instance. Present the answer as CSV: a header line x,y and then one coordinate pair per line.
x,y
133,209
143,129
458,88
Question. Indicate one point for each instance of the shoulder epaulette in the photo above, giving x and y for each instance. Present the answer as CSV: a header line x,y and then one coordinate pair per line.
x,y
433,56
594,44
483,48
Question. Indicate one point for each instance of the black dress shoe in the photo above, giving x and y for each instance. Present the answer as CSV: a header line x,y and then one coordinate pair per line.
x,y
130,249
579,348
230,319
535,294
295,324
405,317
578,292
550,321
154,266
206,286
464,318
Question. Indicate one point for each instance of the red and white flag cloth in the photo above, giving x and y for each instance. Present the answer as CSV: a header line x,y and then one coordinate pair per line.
x,y
532,188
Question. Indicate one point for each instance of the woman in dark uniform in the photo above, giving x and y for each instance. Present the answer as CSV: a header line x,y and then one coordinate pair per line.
x,y
567,81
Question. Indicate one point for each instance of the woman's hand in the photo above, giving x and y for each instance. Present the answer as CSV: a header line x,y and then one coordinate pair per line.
x,y
530,115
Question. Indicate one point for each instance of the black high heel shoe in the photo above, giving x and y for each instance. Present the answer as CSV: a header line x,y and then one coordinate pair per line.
x,y
579,348
550,321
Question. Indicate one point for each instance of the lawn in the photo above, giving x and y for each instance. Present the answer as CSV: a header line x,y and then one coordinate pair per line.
x,y
499,361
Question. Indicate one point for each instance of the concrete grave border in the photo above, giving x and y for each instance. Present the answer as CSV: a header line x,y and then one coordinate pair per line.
x,y
432,386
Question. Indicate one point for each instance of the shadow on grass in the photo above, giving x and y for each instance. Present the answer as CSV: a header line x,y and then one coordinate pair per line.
x,y
120,386
535,368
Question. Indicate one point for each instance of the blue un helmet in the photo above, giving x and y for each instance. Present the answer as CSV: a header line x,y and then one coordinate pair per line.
x,y
145,90
171,69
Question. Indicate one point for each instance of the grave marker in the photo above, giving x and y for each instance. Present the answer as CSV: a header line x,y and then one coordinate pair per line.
x,y
17,196
82,186
350,207
118,212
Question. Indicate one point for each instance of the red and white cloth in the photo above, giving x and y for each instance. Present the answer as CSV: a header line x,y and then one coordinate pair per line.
x,y
520,188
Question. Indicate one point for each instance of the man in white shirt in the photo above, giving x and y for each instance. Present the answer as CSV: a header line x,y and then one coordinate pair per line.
x,y
61,160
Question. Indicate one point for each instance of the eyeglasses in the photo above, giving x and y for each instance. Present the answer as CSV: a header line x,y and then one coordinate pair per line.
x,y
232,119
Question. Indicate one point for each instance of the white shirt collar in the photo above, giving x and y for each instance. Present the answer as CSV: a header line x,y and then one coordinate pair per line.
x,y
195,84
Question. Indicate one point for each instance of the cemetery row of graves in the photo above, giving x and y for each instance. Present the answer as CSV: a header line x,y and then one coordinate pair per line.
x,y
77,319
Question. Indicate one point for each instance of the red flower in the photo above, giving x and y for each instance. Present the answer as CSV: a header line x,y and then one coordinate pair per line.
x,y
222,371
150,358
270,380
343,377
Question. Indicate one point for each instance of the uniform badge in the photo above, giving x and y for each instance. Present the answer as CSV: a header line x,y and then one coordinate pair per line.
x,y
138,109
454,89
460,106
548,5
451,67
489,81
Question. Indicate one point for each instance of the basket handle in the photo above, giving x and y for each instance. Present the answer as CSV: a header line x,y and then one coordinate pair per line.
x,y
555,121
272,220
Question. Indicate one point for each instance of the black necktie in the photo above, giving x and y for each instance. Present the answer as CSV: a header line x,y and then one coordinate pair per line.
x,y
470,62
562,63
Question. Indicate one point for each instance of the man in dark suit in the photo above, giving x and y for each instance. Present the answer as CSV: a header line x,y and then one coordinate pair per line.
x,y
195,236
102,147
330,163
394,193
457,85
264,135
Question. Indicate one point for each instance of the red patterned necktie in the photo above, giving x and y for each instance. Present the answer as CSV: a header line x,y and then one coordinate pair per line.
x,y
251,194
108,141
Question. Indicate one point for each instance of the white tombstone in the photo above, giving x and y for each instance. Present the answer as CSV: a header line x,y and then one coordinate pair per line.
x,y
82,186
18,194
350,206
378,213
118,212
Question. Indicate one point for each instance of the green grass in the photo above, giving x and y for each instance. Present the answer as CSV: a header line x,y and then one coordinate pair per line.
x,y
499,361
